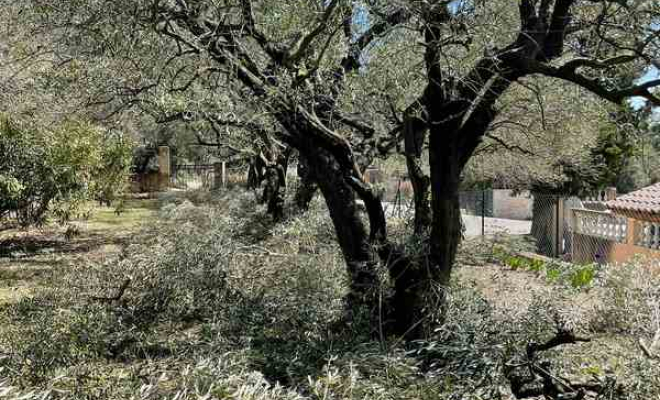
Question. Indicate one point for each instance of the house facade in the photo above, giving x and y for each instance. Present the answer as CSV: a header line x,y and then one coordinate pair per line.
x,y
641,208
625,227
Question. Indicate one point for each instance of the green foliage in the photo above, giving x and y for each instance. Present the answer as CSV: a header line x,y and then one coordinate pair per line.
x,y
582,276
630,299
552,273
223,305
10,191
614,150
55,170
575,276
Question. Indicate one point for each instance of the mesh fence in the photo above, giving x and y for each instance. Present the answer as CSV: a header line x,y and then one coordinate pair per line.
x,y
604,236
193,177
196,177
582,231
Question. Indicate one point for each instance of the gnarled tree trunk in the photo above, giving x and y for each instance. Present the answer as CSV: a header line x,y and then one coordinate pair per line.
x,y
414,137
420,285
307,186
361,260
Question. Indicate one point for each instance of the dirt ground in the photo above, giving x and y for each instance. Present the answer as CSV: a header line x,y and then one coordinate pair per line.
x,y
28,257
511,292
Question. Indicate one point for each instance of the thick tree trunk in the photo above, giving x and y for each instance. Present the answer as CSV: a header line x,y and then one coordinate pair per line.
x,y
446,231
420,286
307,186
415,134
352,235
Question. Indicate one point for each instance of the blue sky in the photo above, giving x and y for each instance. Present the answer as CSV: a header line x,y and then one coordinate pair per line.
x,y
651,74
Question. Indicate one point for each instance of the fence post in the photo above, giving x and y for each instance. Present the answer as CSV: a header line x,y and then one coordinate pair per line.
x,y
483,213
164,167
219,175
558,231
573,227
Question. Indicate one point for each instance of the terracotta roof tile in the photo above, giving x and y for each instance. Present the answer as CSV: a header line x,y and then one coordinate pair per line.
x,y
646,200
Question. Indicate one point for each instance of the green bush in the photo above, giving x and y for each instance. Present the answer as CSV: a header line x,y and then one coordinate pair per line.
x,y
553,273
629,298
53,171
582,276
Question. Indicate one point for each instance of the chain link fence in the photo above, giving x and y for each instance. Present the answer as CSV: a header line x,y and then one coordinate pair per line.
x,y
579,230
207,177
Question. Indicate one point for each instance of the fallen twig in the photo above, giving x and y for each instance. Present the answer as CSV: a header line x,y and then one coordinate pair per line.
x,y
119,294
650,349
538,380
562,337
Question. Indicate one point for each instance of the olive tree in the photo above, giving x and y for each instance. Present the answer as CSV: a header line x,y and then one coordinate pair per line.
x,y
296,63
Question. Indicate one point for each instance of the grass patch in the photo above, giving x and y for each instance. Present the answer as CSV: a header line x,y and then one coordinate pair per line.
x,y
32,258
131,213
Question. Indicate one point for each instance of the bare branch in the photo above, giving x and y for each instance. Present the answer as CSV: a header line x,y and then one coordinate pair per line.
x,y
510,147
304,42
598,87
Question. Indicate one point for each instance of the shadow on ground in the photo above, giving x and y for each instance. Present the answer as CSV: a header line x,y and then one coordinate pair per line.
x,y
25,247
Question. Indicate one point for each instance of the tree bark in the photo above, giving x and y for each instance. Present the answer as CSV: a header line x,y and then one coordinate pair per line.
x,y
420,284
307,186
414,137
361,260
275,188
254,175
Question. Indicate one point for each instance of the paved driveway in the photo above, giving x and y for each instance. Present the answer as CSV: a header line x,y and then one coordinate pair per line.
x,y
495,225
473,223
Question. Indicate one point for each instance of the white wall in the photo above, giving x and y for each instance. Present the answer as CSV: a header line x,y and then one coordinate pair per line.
x,y
509,206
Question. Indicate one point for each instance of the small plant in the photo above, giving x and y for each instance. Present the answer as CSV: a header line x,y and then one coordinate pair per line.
x,y
552,273
515,262
582,277
535,265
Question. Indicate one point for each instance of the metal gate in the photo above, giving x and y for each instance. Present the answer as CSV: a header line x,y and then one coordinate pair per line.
x,y
191,177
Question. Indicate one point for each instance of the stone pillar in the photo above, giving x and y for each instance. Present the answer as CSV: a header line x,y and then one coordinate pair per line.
x,y
610,193
164,167
220,175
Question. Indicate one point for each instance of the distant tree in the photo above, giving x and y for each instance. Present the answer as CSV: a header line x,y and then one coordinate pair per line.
x,y
616,149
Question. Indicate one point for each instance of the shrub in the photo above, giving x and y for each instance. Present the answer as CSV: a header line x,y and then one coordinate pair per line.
x,y
56,170
629,298
582,276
